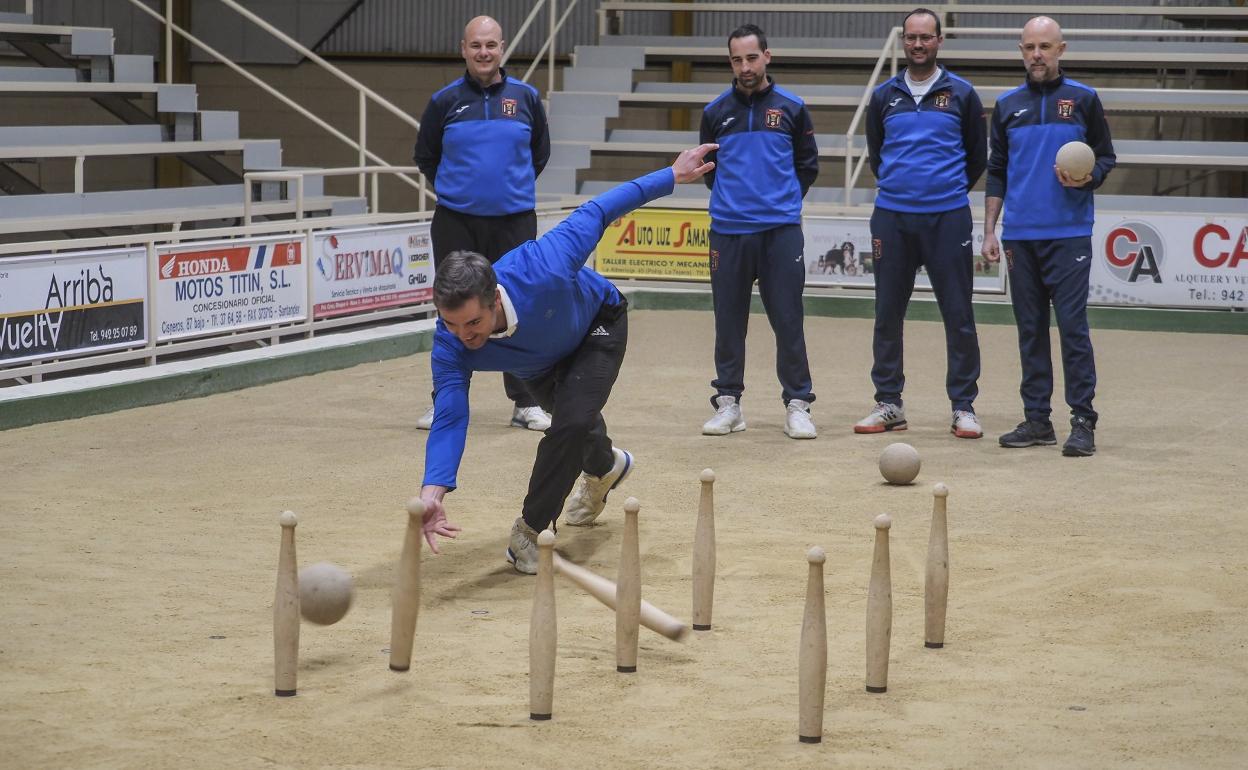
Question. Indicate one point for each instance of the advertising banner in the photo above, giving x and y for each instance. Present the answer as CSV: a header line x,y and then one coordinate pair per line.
x,y
371,268
206,288
839,253
54,306
657,243
1170,260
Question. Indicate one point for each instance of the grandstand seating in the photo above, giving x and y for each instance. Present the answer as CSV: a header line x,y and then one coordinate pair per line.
x,y
604,81
48,64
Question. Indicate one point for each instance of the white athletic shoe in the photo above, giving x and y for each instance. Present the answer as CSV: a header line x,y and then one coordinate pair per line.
x,y
797,422
531,417
590,496
425,422
966,425
727,419
883,417
522,547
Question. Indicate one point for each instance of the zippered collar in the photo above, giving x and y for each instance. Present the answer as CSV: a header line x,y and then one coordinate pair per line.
x,y
899,81
1048,86
493,88
751,99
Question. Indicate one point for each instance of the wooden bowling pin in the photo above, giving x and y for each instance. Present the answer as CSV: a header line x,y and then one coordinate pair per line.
x,y
812,658
704,554
628,593
286,611
879,609
543,632
405,601
936,587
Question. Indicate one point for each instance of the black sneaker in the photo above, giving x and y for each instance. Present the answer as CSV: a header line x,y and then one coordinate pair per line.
x,y
1080,442
1030,433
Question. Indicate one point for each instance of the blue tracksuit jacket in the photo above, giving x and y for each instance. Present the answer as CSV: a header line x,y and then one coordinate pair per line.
x,y
555,299
926,156
766,161
1029,124
483,149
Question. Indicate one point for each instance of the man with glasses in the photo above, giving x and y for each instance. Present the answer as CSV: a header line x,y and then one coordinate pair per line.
x,y
928,147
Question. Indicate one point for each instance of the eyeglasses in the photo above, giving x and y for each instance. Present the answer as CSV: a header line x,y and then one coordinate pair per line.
x,y
918,38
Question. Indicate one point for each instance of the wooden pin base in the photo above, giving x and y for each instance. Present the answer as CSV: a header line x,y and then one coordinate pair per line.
x,y
933,645
877,689
810,738
539,717
700,627
399,668
626,669
284,693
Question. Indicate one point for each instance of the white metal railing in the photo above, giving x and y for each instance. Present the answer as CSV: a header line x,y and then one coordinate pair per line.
x,y
364,93
298,175
890,50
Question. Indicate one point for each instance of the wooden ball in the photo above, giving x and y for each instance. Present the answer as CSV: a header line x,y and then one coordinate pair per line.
x,y
899,463
1076,159
325,592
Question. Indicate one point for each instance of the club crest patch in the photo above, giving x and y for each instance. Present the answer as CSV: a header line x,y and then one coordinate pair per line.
x,y
942,100
1066,108
772,118
509,107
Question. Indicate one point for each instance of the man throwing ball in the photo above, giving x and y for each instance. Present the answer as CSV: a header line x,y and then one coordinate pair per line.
x,y
560,327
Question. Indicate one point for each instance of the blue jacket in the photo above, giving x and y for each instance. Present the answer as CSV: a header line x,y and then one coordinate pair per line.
x,y
767,159
926,156
483,149
1029,124
555,299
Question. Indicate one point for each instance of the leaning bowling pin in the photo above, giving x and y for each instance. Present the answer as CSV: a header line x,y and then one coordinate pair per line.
x,y
286,611
406,598
704,554
628,593
812,658
936,587
543,632
879,609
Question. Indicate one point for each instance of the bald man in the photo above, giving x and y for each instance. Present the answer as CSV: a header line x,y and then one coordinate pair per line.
x,y
483,142
1047,232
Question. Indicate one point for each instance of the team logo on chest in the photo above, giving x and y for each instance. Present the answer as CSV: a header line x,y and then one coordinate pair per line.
x,y
942,100
1066,108
772,118
509,107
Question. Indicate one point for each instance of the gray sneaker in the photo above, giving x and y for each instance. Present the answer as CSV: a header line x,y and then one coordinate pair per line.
x,y
522,548
883,417
530,417
797,421
590,496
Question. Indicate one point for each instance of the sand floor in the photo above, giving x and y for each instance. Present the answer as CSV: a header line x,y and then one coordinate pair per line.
x,y
1097,612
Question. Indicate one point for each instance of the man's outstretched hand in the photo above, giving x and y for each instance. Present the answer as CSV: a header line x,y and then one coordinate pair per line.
x,y
691,165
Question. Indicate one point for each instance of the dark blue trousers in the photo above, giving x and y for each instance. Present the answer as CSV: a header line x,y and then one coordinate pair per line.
x,y
940,242
1044,272
775,259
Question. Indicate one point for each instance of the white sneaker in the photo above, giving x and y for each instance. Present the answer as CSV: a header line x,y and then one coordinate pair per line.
x,y
531,417
425,422
797,422
590,496
727,419
883,417
966,425
522,547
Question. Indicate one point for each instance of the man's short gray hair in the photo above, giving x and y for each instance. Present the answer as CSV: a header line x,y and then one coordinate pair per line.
x,y
462,275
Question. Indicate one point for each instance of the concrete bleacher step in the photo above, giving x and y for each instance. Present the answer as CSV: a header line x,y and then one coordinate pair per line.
x,y
1099,54
258,154
131,68
216,125
39,74
9,17
574,129
175,97
620,56
11,136
575,104
83,41
594,79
